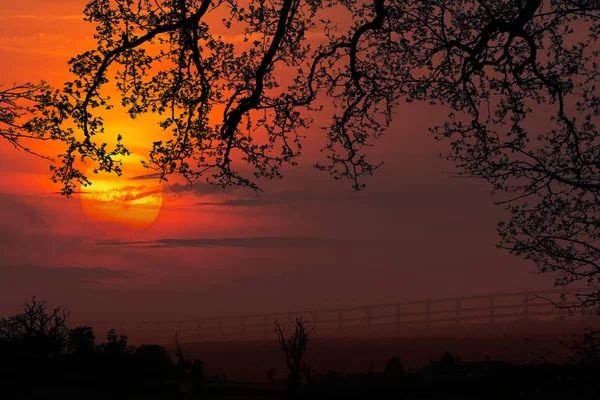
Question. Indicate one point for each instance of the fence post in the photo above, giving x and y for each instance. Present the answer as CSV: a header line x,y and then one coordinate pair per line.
x,y
427,314
458,311
526,305
397,317
562,313
492,309
266,326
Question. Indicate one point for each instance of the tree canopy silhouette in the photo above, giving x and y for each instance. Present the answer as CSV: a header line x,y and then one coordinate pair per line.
x,y
21,108
240,84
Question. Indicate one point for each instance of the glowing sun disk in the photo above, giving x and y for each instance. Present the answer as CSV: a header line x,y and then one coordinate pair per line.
x,y
120,206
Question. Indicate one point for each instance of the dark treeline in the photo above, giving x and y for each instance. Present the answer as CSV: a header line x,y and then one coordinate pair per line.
x,y
41,357
40,353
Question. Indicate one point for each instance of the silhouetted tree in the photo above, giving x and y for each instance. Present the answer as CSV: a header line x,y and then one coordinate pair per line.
x,y
293,349
82,340
183,363
116,344
519,77
585,348
36,332
194,370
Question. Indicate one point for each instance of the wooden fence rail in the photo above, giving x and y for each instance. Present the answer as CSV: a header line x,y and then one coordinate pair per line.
x,y
394,318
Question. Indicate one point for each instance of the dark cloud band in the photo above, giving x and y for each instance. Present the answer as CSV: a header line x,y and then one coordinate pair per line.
x,y
277,242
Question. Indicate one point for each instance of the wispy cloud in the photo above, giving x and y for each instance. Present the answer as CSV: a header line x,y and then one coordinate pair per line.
x,y
145,177
273,242
51,44
34,17
124,194
270,198
239,203
61,275
198,189
33,51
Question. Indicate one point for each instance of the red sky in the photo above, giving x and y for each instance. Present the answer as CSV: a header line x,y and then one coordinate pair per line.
x,y
308,242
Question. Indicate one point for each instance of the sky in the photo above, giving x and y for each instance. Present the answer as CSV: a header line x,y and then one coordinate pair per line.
x,y
307,242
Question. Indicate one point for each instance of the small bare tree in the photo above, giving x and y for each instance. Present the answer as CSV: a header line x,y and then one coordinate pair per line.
x,y
293,348
183,362
188,368
37,331
585,348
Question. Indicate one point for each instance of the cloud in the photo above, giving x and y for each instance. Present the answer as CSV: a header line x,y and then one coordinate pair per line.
x,y
274,242
145,177
125,194
61,276
271,198
198,189
238,203
78,17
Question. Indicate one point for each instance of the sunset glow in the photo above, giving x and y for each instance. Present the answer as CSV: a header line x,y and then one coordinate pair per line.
x,y
118,206
305,241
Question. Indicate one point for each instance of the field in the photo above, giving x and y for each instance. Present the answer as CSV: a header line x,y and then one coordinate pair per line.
x,y
250,361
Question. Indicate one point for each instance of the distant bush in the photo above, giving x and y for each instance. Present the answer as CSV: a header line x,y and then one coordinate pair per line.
x,y
447,360
115,344
82,340
153,361
394,371
38,350
585,348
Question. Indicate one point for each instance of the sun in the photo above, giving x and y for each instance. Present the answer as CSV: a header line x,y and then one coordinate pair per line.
x,y
119,206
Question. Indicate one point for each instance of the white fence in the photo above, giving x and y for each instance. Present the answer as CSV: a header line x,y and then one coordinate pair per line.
x,y
496,309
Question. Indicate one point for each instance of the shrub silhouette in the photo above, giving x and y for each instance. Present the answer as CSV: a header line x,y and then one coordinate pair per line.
x,y
394,371
585,348
116,344
82,340
447,360
153,361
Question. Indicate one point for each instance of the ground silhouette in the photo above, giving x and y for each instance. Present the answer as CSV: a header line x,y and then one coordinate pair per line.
x,y
41,357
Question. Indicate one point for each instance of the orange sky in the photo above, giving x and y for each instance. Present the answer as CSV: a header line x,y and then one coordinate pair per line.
x,y
414,233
